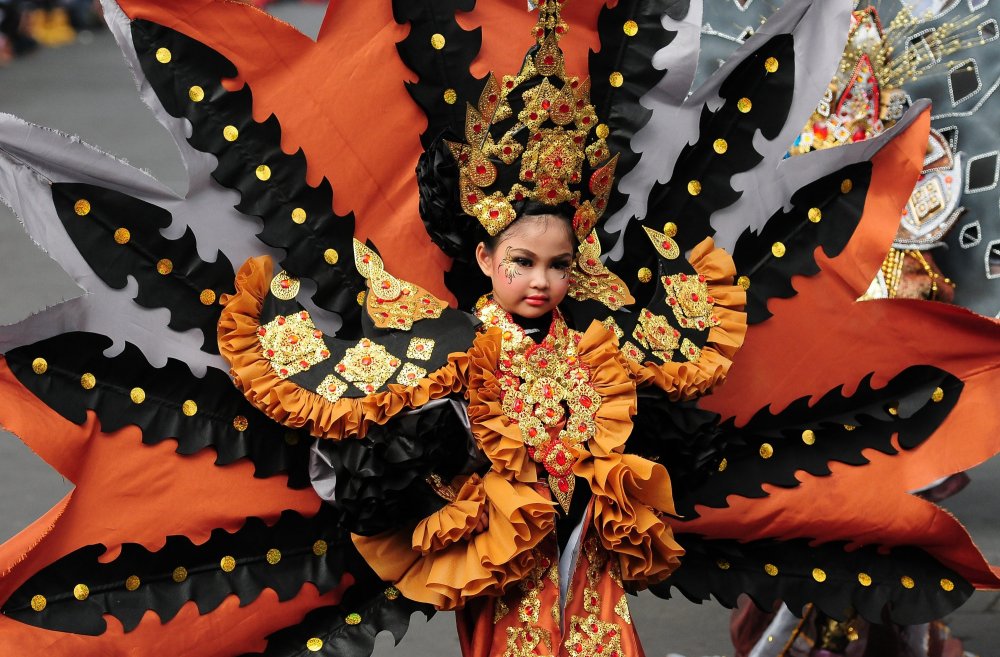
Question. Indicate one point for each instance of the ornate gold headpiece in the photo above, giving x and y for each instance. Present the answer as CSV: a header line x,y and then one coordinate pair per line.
x,y
535,136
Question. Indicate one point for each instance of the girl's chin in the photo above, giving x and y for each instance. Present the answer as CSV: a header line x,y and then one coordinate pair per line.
x,y
531,311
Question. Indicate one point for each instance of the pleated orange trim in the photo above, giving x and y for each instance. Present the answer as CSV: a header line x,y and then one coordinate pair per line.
x,y
686,380
292,405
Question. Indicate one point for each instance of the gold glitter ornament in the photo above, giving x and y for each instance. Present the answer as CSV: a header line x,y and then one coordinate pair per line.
x,y
298,216
722,564
947,585
82,207
864,579
631,28
122,235
819,575
331,256
180,574
164,266
314,644
720,146
263,172
353,619
815,215
88,381
163,55
743,282
273,556
766,451
778,250
81,592
137,395
744,105
723,464
670,229
39,602
771,64
809,437
450,96
227,564
189,407
771,569
437,41
320,547
132,583
846,186
907,582
937,395
207,297
240,423
645,275
391,593
39,366
694,188
616,79
230,133
196,94
602,131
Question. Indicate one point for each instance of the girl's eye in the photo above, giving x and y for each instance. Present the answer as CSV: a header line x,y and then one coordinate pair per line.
x,y
522,262
561,266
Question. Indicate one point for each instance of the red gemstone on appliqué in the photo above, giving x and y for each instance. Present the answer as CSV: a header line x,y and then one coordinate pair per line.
x,y
281,321
564,487
262,331
561,458
480,169
564,109
546,104
472,198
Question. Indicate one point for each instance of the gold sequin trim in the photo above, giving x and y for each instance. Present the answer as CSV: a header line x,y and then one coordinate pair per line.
x,y
616,79
331,257
766,451
353,619
314,644
947,585
196,94
645,275
163,55
720,146
621,608
179,575
82,207
391,593
240,423
809,437
694,188
778,250
207,297
263,172
164,267
815,215
846,186
298,216
292,343
320,547
227,564
723,564
39,602
284,287
743,282
602,131
819,575
744,105
670,229
907,582
81,592
273,556
437,41
631,28
189,407
771,64
723,464
864,579
771,569
122,236
230,133
450,96
137,395
88,381
39,366
937,395
133,583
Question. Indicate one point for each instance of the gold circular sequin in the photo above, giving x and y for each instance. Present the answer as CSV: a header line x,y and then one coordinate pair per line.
x,y
849,427
240,423
180,574
132,583
331,256
353,619
164,266
771,64
273,556
947,585
744,105
846,186
645,275
809,437
163,55
616,79
207,297
40,366
864,579
122,235
227,564
743,282
766,451
189,407
771,569
88,381
602,130
230,133
893,410
720,146
937,395
815,215
437,41
670,229
138,395
82,207
450,96
723,464
778,249
263,172
291,438
907,582
694,188
196,94
391,593
819,575
314,644
320,547
38,602
631,28
361,298
298,216
81,591
722,564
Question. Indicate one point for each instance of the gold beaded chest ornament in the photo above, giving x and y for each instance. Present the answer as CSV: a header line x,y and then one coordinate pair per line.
x,y
551,150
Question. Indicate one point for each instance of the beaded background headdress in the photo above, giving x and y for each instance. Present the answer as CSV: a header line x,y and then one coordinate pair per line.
x,y
535,136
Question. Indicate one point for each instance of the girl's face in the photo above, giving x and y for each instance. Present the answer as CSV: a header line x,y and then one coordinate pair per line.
x,y
530,267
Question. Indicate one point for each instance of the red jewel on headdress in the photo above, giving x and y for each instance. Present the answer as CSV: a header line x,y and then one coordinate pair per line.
x,y
472,198
480,169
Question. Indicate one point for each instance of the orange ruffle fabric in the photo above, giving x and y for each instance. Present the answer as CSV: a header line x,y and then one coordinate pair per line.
x,y
288,403
686,380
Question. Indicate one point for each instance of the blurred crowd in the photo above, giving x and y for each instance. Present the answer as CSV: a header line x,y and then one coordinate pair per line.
x,y
28,24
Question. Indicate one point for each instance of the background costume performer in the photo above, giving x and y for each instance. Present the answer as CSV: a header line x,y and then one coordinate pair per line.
x,y
790,482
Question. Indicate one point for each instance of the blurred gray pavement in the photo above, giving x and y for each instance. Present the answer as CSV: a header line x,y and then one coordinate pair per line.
x,y
86,89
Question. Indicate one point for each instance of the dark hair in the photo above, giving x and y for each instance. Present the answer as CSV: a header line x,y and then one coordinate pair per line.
x,y
531,208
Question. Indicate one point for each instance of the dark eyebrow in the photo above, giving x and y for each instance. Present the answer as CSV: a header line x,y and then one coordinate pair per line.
x,y
532,254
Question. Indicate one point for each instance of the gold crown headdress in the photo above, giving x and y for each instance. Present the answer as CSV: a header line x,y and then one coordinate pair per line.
x,y
535,136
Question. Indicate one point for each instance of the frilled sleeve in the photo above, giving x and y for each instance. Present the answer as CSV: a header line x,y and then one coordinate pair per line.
x,y
294,406
686,379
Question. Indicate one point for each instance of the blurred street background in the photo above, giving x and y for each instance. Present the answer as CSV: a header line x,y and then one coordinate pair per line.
x,y
67,73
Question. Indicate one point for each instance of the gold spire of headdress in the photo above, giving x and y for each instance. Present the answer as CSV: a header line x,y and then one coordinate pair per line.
x,y
532,136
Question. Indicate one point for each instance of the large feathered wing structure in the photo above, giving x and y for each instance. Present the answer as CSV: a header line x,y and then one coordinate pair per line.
x,y
191,516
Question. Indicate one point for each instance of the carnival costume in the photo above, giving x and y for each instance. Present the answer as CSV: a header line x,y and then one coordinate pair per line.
x,y
415,418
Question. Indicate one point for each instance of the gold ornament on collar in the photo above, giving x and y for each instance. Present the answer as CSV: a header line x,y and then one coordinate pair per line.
x,y
548,141
393,303
590,279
